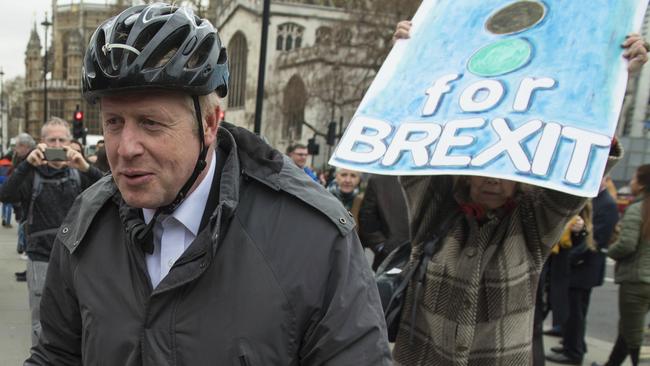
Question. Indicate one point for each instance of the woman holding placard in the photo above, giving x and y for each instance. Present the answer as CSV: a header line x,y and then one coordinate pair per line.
x,y
478,297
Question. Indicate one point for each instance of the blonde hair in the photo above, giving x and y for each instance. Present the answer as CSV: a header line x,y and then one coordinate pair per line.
x,y
587,216
56,121
208,104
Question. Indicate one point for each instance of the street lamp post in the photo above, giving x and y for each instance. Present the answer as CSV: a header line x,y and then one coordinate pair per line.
x,y
261,73
45,24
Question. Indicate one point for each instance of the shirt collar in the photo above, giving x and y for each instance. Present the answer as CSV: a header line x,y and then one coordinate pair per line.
x,y
190,212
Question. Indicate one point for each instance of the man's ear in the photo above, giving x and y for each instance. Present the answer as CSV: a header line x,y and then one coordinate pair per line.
x,y
211,126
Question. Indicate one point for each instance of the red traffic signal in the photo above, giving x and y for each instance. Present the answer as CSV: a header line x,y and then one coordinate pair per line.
x,y
78,116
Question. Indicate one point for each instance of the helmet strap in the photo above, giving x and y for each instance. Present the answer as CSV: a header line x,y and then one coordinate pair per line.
x,y
198,168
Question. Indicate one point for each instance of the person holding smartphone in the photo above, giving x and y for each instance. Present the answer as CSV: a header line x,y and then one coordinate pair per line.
x,y
46,184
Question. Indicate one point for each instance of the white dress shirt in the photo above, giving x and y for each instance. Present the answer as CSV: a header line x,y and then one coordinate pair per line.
x,y
172,234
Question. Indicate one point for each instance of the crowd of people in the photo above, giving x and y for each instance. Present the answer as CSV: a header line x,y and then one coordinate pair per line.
x,y
229,252
576,264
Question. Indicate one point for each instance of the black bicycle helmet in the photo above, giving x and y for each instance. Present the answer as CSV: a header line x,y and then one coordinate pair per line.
x,y
157,46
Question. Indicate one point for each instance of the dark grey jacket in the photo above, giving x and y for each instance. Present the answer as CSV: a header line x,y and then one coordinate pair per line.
x,y
275,277
383,218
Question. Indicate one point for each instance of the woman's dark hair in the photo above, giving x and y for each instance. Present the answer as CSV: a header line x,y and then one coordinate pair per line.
x,y
102,161
81,147
643,180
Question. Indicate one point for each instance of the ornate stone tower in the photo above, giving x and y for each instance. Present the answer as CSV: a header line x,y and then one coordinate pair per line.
x,y
73,56
33,59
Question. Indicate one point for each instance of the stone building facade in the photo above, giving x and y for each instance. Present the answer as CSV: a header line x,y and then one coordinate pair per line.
x,y
315,73
73,23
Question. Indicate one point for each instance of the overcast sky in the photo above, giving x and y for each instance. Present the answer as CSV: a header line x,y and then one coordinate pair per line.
x,y
16,22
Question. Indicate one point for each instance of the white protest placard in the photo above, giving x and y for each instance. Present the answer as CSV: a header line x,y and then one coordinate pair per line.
x,y
529,91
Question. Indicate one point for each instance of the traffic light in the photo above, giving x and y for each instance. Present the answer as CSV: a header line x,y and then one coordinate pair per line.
x,y
331,133
312,147
78,124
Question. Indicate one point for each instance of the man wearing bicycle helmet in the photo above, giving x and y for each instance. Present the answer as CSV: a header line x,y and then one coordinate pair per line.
x,y
205,246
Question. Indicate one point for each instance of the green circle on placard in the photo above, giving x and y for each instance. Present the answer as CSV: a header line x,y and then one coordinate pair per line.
x,y
500,58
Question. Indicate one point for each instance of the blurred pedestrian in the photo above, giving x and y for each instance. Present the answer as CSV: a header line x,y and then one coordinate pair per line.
x,y
631,252
346,189
78,147
101,161
46,190
383,217
94,156
24,145
6,168
578,236
299,154
587,270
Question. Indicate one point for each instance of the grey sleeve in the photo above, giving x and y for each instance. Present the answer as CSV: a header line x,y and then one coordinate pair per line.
x,y
60,341
350,329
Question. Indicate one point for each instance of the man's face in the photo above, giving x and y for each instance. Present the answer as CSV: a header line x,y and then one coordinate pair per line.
x,y
152,145
22,150
299,156
491,193
56,136
347,180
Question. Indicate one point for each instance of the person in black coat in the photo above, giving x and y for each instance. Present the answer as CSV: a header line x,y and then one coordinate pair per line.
x,y
383,219
587,271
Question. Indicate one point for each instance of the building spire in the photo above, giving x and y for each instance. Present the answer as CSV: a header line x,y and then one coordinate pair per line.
x,y
34,43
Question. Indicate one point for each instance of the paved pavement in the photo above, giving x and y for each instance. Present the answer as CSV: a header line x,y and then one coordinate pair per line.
x,y
14,313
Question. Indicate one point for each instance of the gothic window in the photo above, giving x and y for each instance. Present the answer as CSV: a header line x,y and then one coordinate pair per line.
x,y
56,109
295,100
324,36
279,44
238,49
291,34
289,42
344,37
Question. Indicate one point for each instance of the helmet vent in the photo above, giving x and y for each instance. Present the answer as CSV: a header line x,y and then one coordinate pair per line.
x,y
101,57
119,37
223,58
167,49
143,39
200,54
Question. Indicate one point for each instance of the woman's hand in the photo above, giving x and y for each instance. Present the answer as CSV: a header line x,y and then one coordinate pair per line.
x,y
578,225
636,52
402,31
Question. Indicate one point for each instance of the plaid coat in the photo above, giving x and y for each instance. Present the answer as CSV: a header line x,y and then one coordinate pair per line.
x,y
479,293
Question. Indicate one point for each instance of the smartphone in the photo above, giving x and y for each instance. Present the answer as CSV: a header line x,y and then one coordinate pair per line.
x,y
52,154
